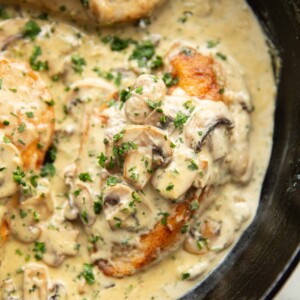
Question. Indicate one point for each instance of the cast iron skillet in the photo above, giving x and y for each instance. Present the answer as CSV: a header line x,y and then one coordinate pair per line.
x,y
269,250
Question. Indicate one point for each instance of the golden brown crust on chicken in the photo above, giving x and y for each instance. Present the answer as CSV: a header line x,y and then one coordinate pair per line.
x,y
27,113
195,74
163,237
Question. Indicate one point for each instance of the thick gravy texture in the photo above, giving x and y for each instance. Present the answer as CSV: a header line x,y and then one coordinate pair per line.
x,y
65,54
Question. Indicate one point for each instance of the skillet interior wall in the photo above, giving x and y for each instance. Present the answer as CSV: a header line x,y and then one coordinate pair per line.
x,y
269,250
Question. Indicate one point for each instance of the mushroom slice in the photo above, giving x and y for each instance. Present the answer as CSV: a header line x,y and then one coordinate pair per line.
x,y
10,161
198,238
138,167
154,138
125,208
89,92
205,118
148,92
58,292
240,162
35,282
174,180
11,31
23,218
85,204
60,242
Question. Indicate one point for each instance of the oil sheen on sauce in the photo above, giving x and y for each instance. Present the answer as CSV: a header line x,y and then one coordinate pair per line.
x,y
238,34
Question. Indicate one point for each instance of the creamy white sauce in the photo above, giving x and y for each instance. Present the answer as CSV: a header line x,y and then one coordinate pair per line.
x,y
230,22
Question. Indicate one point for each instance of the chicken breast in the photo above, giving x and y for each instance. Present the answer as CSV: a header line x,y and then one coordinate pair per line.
x,y
105,12
26,112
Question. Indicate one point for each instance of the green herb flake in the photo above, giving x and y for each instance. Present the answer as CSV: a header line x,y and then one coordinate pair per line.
x,y
112,180
102,159
221,56
22,127
193,166
185,276
30,114
48,170
31,29
85,177
212,44
169,80
88,274
164,218
78,63
39,249
180,119
98,205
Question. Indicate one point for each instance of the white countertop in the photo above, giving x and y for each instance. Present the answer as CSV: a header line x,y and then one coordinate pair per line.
x,y
291,289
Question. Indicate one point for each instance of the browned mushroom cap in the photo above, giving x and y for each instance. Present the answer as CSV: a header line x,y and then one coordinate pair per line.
x,y
125,208
205,118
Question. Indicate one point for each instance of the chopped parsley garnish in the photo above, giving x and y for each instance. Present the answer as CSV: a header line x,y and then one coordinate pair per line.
x,y
50,102
35,64
164,218
77,192
143,53
180,119
193,166
112,180
78,63
169,80
1,84
5,122
88,274
221,56
170,187
102,159
48,170
117,137
84,216
201,243
18,176
22,127
98,205
22,213
153,105
33,181
31,29
184,228
139,90
30,114
212,44
185,276
194,205
85,177
125,95
118,44
118,222
157,62
39,249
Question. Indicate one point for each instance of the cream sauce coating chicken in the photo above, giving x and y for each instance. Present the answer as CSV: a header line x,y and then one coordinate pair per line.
x,y
132,156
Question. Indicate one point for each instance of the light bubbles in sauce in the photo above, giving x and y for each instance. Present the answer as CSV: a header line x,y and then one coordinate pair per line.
x,y
134,158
